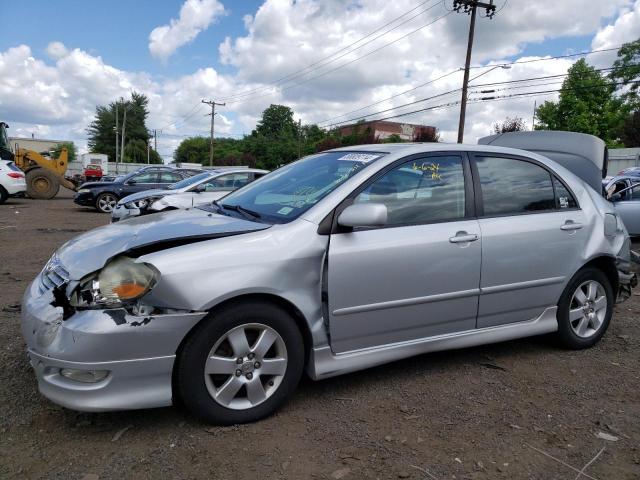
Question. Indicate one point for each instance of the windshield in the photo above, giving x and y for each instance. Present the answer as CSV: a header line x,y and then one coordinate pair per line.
x,y
189,181
284,195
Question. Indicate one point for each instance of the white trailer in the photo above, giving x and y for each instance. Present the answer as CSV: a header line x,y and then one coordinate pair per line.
x,y
95,159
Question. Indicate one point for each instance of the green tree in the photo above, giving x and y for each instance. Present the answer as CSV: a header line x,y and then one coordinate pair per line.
x,y
276,140
587,104
626,72
630,132
102,135
71,150
226,151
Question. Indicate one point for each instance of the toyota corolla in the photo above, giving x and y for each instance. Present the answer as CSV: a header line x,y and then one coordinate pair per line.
x,y
340,261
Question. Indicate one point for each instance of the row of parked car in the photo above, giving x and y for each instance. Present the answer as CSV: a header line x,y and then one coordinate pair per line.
x,y
154,189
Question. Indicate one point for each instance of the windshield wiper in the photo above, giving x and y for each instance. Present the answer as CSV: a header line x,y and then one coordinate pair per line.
x,y
245,211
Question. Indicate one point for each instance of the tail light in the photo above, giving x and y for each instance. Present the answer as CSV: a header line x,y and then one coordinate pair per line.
x,y
16,175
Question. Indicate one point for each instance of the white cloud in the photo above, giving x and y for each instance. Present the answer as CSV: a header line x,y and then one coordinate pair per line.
x,y
195,16
56,50
625,29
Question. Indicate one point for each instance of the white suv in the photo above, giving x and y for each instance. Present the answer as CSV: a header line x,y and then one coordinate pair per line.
x,y
12,181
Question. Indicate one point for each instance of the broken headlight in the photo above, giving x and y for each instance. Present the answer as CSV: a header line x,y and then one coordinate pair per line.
x,y
120,281
141,204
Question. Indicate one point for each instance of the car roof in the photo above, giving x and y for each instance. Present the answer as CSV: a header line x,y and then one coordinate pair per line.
x,y
421,147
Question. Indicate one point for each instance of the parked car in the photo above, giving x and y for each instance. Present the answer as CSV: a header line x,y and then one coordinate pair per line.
x,y
624,192
193,191
93,173
629,172
12,181
341,261
103,196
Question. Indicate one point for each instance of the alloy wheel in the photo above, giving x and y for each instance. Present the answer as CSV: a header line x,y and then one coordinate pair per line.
x,y
588,309
106,203
246,366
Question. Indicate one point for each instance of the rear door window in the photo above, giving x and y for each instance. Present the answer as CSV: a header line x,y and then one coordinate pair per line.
x,y
511,186
168,177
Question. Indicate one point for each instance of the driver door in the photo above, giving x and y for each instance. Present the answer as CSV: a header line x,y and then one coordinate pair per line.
x,y
419,275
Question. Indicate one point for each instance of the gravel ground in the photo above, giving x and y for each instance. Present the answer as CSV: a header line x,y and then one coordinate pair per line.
x,y
522,409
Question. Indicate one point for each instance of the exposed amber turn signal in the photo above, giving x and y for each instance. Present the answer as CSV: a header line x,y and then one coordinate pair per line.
x,y
128,290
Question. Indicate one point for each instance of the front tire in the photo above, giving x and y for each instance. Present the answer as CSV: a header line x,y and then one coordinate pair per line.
x,y
106,202
3,195
42,184
585,309
240,364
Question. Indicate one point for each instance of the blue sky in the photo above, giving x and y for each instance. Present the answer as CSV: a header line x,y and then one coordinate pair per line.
x,y
117,30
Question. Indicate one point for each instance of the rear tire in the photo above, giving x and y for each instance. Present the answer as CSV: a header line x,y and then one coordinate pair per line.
x,y
3,195
585,309
253,356
106,202
42,184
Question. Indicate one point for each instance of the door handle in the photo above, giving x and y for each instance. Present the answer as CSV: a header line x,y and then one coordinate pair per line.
x,y
462,237
570,226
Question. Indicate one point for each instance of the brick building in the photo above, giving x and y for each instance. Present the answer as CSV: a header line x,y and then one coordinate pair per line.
x,y
383,129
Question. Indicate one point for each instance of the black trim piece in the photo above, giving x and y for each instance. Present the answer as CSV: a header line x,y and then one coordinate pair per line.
x,y
335,228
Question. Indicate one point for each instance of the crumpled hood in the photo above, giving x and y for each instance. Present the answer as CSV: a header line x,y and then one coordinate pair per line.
x,y
90,251
156,192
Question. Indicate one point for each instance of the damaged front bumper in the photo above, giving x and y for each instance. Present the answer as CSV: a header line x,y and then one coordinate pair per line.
x,y
134,354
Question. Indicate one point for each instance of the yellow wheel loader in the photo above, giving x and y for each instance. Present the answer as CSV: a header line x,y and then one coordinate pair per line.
x,y
44,175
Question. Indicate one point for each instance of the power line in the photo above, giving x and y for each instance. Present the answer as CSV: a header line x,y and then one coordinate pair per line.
x,y
347,63
298,72
485,84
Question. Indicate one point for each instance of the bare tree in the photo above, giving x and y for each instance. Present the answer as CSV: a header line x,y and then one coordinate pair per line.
x,y
515,124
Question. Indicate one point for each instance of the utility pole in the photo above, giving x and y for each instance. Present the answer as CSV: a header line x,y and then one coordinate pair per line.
x,y
116,137
533,119
299,138
469,7
148,146
124,129
212,104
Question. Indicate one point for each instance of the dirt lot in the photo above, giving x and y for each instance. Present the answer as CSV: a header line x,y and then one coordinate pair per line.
x,y
500,411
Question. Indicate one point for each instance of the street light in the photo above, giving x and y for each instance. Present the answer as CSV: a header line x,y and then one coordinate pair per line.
x,y
504,67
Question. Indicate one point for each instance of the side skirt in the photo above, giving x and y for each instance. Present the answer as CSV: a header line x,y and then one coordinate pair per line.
x,y
324,363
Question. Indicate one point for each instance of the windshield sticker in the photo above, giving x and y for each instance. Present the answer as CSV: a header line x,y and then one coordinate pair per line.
x,y
564,202
359,157
285,211
434,168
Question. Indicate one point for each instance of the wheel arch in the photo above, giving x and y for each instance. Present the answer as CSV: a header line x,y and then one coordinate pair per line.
x,y
286,305
606,264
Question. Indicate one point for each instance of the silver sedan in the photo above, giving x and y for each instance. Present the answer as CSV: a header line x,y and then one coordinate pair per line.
x,y
202,188
341,261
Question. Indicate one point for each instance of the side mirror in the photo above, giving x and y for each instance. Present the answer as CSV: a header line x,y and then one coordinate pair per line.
x,y
200,188
132,182
364,215
616,197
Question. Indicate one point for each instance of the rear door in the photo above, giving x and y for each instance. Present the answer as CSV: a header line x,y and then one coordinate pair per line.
x,y
416,277
532,234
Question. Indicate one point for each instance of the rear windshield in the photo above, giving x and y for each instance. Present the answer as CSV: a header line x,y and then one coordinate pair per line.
x,y
12,166
288,192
